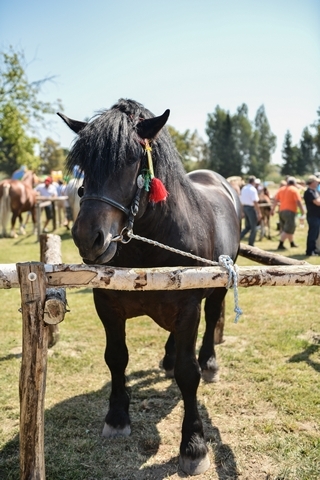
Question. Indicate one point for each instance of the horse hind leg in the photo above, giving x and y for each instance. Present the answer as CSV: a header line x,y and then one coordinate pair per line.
x,y
214,309
13,233
22,228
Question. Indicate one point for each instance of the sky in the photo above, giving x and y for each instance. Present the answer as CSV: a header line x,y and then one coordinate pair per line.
x,y
186,55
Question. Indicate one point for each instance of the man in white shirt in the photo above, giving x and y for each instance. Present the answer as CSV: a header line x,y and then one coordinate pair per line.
x,y
46,189
249,199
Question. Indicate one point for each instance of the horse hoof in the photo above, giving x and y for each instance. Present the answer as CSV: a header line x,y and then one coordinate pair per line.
x,y
210,376
169,373
111,432
194,467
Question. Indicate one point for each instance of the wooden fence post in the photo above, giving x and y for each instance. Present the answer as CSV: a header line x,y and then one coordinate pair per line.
x,y
33,371
50,252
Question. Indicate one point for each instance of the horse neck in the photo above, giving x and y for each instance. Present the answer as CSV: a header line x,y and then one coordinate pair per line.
x,y
28,179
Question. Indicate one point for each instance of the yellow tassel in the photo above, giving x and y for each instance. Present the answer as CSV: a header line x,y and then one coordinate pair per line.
x,y
150,164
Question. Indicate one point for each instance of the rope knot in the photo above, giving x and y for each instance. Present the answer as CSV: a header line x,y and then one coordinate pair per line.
x,y
226,262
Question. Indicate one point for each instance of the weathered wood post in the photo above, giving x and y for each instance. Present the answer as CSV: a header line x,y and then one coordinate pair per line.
x,y
50,252
32,384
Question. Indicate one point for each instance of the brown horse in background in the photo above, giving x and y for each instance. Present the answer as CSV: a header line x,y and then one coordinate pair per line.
x,y
265,209
17,196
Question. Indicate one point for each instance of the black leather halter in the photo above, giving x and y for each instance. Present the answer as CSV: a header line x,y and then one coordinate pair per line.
x,y
108,200
130,212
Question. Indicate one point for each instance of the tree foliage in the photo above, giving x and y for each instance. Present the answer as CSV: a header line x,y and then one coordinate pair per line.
x,y
21,112
290,156
236,145
52,156
316,141
304,158
191,147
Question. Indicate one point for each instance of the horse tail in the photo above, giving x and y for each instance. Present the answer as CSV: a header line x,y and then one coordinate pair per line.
x,y
5,206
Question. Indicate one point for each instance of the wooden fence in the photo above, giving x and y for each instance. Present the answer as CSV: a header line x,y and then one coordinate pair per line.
x,y
35,278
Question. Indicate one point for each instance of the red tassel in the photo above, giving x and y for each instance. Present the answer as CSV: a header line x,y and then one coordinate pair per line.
x,y
158,192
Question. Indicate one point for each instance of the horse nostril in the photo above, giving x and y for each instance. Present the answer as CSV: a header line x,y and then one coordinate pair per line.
x,y
99,240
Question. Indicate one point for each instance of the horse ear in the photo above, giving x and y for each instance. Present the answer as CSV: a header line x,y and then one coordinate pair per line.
x,y
151,126
75,125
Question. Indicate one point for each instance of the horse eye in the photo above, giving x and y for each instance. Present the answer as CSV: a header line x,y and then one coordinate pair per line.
x,y
81,191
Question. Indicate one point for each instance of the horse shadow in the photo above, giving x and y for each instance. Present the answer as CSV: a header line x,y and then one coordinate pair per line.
x,y
305,355
73,430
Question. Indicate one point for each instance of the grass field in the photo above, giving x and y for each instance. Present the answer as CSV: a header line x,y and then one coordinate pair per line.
x,y
261,421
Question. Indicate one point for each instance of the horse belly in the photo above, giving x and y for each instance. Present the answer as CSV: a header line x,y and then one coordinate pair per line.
x,y
162,307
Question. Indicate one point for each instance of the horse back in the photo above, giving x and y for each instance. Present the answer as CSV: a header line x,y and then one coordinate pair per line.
x,y
224,207
216,189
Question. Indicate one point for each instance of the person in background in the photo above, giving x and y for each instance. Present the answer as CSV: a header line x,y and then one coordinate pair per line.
x,y
46,189
289,200
312,200
249,199
19,173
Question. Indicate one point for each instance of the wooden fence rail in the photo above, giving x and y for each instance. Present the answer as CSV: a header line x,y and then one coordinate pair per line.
x,y
173,278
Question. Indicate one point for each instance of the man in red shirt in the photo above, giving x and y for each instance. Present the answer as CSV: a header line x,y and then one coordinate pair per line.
x,y
288,198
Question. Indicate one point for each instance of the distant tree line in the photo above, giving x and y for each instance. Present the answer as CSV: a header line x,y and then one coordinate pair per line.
x,y
235,145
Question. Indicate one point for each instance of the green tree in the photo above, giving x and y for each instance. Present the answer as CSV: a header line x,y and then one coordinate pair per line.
x,y
21,112
236,146
316,140
290,155
191,147
52,156
263,145
306,160
242,135
222,145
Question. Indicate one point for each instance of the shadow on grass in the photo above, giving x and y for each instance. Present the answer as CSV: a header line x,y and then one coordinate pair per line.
x,y
305,357
75,450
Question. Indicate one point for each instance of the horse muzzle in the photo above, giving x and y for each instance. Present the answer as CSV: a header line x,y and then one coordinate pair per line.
x,y
95,246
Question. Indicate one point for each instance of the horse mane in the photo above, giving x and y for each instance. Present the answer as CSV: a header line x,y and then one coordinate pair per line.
x,y
110,140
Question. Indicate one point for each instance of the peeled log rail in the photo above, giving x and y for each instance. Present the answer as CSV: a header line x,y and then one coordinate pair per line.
x,y
267,258
167,278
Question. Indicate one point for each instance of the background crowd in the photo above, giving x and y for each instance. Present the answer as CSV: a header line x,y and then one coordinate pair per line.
x,y
292,199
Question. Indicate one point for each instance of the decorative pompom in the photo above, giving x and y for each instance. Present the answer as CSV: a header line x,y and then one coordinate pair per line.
x,y
158,192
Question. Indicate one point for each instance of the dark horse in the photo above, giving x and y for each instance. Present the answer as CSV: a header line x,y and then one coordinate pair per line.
x,y
17,197
200,215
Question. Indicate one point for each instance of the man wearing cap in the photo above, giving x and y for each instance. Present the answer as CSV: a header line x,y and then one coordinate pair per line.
x,y
46,189
249,199
289,199
312,200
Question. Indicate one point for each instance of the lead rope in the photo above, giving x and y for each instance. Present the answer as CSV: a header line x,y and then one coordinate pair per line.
x,y
224,261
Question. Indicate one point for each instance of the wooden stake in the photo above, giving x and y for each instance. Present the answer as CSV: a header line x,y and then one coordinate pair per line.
x,y
33,371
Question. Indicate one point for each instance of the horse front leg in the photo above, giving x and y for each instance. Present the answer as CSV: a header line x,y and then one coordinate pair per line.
x,y
117,421
207,355
194,458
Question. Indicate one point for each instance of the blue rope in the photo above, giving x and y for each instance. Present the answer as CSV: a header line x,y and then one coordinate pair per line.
x,y
226,262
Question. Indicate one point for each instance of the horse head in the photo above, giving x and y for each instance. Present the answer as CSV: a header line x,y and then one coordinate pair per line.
x,y
111,152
